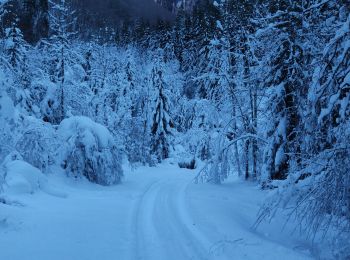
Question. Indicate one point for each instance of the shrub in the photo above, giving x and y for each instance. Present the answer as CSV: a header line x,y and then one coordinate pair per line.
x,y
90,151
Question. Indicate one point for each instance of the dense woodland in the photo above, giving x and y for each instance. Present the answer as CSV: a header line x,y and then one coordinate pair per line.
x,y
258,88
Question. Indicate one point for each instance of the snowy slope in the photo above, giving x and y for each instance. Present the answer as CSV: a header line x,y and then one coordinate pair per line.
x,y
157,214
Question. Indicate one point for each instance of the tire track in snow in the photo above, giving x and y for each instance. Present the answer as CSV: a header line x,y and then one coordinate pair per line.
x,y
163,229
137,223
176,202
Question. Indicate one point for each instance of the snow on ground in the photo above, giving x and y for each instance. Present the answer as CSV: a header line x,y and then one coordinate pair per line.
x,y
157,213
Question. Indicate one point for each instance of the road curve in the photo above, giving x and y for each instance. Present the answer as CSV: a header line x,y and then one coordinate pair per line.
x,y
163,228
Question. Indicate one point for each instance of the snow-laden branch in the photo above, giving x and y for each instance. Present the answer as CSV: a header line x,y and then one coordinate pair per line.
x,y
219,155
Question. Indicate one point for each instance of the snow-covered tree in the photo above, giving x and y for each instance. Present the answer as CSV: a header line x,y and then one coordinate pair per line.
x,y
285,88
37,143
15,46
213,81
138,137
90,151
16,50
162,123
60,43
7,116
317,192
329,167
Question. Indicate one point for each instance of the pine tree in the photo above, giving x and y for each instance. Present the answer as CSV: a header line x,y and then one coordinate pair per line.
x,y
15,46
205,29
317,193
285,83
162,123
329,162
60,43
16,49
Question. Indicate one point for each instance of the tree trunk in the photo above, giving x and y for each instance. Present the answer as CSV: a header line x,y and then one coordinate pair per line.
x,y
246,155
238,163
254,132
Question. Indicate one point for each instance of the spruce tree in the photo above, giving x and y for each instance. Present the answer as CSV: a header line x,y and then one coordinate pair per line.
x,y
162,123
16,49
285,85
60,43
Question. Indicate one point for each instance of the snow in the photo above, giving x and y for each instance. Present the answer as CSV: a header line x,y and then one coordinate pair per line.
x,y
158,213
23,178
203,91
219,25
89,151
6,105
88,128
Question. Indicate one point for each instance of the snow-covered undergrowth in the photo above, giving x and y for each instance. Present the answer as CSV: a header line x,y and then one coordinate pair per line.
x,y
90,151
83,148
22,178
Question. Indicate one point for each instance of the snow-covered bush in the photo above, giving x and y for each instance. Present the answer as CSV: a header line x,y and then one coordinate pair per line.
x,y
21,177
90,151
12,156
7,115
183,158
188,164
199,123
38,143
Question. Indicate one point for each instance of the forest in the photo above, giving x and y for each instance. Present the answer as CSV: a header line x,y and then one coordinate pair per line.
x,y
256,89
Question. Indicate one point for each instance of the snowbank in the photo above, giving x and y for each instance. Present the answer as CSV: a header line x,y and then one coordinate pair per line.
x,y
20,177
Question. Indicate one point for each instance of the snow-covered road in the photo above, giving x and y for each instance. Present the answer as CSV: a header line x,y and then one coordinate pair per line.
x,y
163,228
155,214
